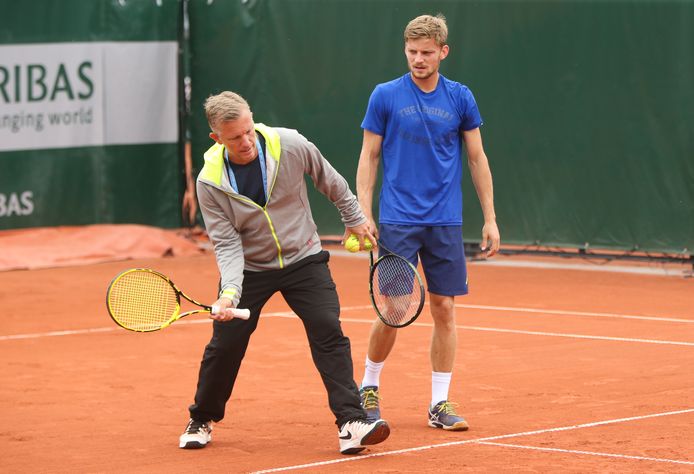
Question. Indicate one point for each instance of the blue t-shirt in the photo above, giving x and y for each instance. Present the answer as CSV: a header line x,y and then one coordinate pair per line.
x,y
421,152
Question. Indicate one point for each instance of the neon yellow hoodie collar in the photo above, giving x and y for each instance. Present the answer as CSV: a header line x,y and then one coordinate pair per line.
x,y
213,169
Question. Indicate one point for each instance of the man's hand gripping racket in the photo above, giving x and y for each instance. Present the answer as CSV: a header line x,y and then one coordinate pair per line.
x,y
144,300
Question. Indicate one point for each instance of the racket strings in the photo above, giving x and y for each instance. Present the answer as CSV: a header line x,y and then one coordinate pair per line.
x,y
142,301
396,290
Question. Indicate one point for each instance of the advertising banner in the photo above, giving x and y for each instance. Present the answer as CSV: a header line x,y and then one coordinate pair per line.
x,y
89,113
67,95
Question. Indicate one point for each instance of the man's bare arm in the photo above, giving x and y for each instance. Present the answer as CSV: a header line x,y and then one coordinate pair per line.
x,y
482,179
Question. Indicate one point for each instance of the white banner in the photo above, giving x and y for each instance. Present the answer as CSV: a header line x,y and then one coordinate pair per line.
x,y
66,95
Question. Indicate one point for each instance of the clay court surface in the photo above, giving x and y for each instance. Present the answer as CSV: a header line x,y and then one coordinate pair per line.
x,y
559,369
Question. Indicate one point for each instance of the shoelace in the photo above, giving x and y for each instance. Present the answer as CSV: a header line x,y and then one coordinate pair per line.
x,y
371,399
447,408
196,427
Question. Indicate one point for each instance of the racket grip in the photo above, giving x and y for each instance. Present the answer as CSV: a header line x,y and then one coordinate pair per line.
x,y
238,313
241,313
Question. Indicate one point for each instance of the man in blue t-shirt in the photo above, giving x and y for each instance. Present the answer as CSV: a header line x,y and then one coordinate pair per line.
x,y
418,123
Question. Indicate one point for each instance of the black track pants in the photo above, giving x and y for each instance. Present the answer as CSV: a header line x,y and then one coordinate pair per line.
x,y
308,288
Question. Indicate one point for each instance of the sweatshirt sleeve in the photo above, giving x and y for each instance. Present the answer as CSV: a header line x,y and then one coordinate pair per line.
x,y
227,244
330,183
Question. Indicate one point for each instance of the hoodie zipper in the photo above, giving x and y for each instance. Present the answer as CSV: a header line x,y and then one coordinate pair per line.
x,y
267,216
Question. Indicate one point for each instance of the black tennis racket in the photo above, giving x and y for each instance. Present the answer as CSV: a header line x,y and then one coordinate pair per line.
x,y
396,289
144,300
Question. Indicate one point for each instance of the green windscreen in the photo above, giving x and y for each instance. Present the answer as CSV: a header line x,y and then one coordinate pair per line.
x,y
588,106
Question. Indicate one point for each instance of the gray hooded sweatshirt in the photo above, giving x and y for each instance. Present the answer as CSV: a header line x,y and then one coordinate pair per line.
x,y
248,236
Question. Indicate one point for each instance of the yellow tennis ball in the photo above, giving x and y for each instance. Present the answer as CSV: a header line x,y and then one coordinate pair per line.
x,y
352,243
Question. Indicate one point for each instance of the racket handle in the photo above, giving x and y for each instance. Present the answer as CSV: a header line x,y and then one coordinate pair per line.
x,y
241,313
238,313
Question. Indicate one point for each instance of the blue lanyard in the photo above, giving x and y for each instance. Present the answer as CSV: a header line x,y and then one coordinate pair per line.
x,y
263,170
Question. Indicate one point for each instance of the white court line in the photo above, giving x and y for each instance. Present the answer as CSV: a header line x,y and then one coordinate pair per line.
x,y
36,335
559,312
115,328
576,336
548,334
590,453
475,441
572,313
290,314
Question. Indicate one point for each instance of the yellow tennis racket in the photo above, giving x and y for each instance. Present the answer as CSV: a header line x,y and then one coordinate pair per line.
x,y
144,300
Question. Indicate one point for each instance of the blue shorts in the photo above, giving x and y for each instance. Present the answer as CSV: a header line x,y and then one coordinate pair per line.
x,y
439,247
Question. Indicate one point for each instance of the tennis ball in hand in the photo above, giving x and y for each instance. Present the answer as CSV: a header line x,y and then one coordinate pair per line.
x,y
352,243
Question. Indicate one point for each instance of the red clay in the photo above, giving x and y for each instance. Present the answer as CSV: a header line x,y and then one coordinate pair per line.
x,y
116,401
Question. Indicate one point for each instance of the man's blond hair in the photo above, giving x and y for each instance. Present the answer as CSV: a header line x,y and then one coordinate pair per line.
x,y
224,107
427,26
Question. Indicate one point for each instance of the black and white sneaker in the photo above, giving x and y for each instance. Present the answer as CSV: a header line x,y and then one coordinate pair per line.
x,y
196,435
355,435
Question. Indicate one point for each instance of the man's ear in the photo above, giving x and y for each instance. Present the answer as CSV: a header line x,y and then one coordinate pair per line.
x,y
444,51
215,137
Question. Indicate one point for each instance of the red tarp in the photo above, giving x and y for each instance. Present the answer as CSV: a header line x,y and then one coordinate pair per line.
x,y
44,247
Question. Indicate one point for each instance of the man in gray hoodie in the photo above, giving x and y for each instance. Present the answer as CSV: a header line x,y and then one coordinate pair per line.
x,y
254,202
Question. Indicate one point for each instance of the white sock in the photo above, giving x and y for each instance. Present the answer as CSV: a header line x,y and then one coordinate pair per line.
x,y
372,373
440,381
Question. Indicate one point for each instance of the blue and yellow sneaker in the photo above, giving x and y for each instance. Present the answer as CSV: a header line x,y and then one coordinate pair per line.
x,y
370,402
442,415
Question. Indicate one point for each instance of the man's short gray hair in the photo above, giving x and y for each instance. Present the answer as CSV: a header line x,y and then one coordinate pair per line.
x,y
224,107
